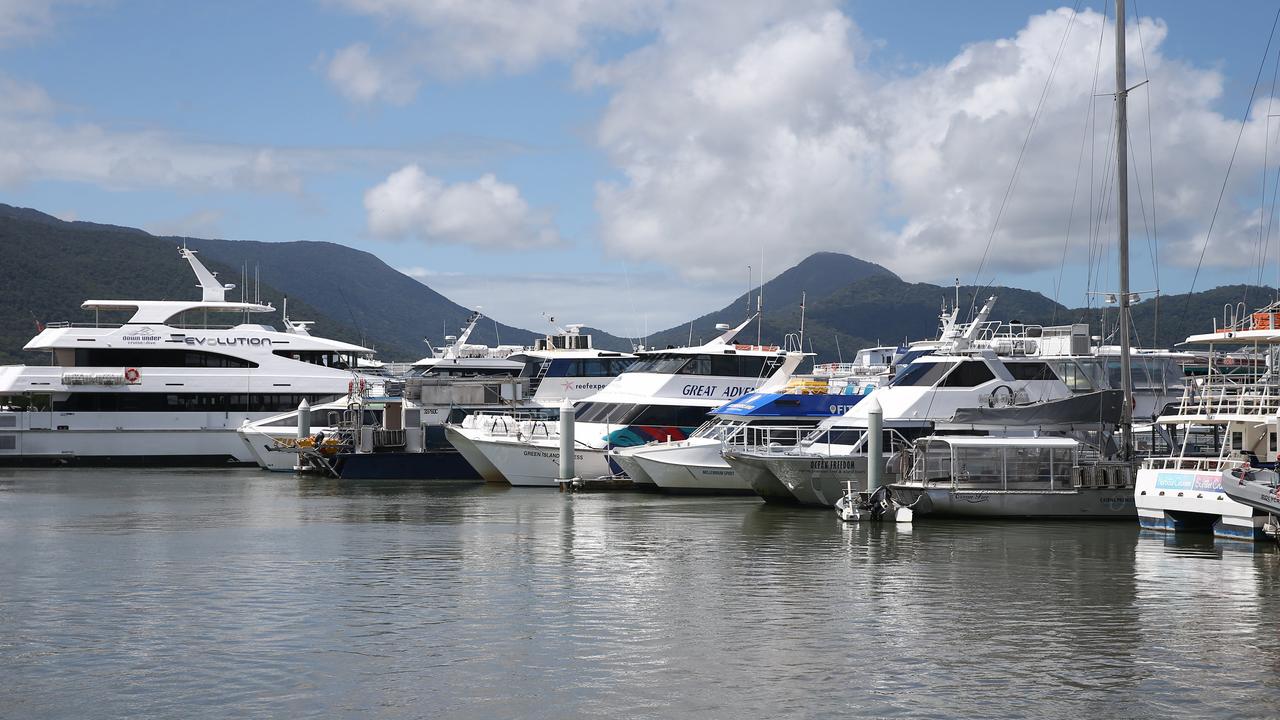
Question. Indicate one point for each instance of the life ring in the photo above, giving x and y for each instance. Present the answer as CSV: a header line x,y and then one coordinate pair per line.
x,y
131,375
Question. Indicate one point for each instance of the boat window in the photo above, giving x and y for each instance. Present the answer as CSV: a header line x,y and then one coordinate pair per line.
x,y
1075,377
697,365
663,416
185,402
617,366
666,363
532,366
839,436
327,358
600,412
969,373
156,357
565,368
595,367
922,374
1030,371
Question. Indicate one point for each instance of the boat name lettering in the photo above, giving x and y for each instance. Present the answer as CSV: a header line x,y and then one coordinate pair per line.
x,y
227,341
715,391
548,454
833,465
1189,481
837,409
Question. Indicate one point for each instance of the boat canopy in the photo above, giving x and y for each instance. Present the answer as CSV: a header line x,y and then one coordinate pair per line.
x,y
1085,408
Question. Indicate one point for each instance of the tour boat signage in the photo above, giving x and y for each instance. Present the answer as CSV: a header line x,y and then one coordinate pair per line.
x,y
236,341
141,336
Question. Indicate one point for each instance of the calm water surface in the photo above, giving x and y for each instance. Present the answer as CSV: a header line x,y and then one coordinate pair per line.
x,y
246,594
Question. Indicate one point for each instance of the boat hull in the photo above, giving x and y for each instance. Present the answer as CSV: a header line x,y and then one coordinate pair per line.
x,y
526,464
818,479
462,442
175,446
1099,503
759,478
1189,501
690,468
438,465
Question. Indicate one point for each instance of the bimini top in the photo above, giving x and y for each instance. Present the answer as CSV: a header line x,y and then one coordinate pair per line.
x,y
764,404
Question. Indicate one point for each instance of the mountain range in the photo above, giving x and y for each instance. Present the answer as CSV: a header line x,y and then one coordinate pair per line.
x,y
51,266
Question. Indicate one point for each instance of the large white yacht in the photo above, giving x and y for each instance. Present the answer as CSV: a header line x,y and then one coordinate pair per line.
x,y
665,395
166,386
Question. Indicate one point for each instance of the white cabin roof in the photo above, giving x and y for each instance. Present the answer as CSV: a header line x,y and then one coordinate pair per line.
x,y
158,312
1236,337
1020,442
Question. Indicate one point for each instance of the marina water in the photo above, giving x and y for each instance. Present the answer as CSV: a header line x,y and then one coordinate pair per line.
x,y
198,593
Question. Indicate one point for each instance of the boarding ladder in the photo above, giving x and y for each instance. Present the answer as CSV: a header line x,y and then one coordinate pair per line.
x,y
536,382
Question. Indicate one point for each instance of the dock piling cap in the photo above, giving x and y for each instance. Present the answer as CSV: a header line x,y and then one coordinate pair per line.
x,y
566,404
873,405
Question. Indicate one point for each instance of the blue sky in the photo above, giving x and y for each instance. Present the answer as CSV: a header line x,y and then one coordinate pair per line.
x,y
621,163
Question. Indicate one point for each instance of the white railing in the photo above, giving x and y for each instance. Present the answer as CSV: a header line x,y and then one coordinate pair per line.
x,y
1218,395
1194,464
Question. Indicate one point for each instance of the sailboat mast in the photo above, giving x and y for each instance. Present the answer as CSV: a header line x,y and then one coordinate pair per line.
x,y
1122,186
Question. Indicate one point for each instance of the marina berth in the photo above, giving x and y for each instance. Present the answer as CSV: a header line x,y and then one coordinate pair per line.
x,y
1222,431
561,366
166,386
696,464
1065,468
664,396
454,386
979,364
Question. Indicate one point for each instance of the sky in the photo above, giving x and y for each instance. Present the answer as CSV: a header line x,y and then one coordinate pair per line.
x,y
631,164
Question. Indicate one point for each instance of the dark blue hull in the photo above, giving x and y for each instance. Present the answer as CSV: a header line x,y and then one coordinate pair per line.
x,y
444,465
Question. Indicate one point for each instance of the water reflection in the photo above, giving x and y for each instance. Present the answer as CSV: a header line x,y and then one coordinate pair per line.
x,y
167,593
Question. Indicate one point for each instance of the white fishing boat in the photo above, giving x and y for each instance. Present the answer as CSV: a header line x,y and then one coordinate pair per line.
x,y
165,386
664,396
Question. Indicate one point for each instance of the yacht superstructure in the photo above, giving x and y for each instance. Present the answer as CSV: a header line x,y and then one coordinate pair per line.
x,y
165,386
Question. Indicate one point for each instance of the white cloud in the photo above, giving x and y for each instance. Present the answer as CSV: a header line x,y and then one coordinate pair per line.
x,y
450,39
485,213
770,132
23,19
365,79
40,142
